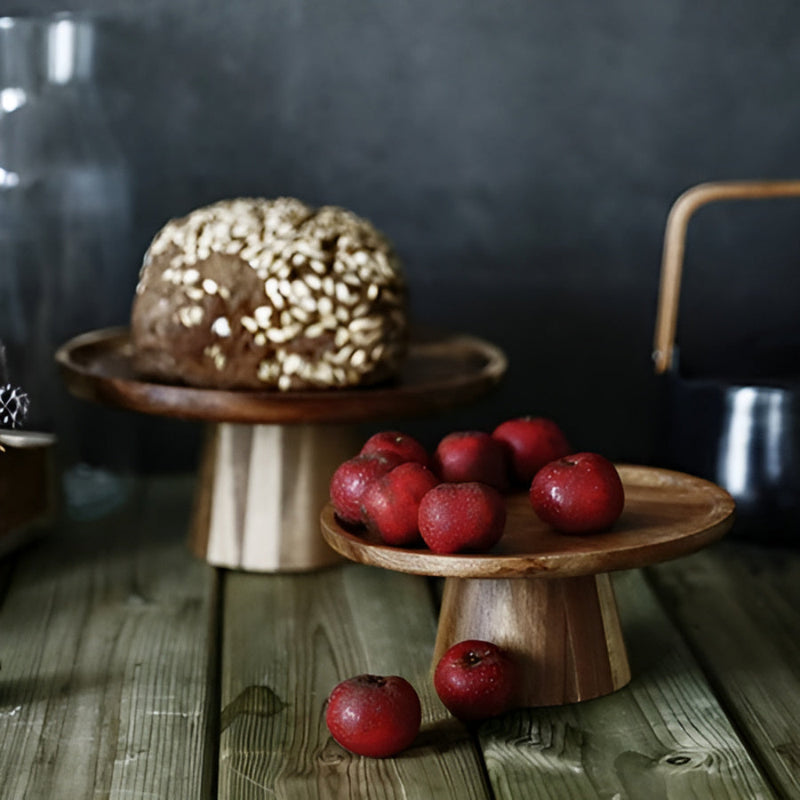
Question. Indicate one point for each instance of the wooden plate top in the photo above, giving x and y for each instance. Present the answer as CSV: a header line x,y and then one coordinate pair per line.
x,y
667,514
439,373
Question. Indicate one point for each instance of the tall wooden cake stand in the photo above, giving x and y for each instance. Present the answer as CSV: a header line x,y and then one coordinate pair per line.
x,y
269,456
547,597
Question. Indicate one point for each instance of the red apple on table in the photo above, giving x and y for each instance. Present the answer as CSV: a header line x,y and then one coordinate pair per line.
x,y
475,680
532,442
352,477
465,456
459,517
390,504
372,715
401,444
580,493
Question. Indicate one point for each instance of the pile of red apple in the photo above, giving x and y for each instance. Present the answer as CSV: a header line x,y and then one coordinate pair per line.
x,y
453,500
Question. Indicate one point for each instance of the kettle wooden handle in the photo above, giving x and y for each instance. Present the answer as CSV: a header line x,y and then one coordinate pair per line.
x,y
675,245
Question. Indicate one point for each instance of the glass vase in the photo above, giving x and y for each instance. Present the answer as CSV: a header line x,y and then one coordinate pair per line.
x,y
65,256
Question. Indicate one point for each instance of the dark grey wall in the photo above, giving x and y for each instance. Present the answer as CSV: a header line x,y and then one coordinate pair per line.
x,y
522,155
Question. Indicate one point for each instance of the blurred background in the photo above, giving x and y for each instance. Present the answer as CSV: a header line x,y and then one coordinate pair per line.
x,y
522,156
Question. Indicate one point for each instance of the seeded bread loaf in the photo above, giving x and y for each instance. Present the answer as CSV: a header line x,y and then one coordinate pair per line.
x,y
269,294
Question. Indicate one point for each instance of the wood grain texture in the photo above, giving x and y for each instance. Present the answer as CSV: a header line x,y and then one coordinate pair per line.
x,y
667,514
288,640
105,632
675,245
662,737
441,372
261,489
563,633
739,606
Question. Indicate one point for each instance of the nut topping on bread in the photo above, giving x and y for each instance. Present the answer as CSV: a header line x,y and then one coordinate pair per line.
x,y
254,293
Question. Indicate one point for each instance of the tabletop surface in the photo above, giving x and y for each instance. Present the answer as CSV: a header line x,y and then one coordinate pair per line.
x,y
130,669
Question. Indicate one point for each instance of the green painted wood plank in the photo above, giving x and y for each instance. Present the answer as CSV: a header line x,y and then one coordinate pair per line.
x,y
740,608
662,737
288,639
104,645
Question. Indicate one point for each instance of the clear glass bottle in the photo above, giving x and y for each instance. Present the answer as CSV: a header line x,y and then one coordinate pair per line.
x,y
65,255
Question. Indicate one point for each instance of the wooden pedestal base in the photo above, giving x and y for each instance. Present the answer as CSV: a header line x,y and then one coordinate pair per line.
x,y
260,493
564,632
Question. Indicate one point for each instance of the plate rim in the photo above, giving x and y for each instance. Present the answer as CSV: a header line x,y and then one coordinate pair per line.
x,y
567,563
257,406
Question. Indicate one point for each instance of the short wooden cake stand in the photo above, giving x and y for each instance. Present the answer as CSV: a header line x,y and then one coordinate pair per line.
x,y
269,456
547,597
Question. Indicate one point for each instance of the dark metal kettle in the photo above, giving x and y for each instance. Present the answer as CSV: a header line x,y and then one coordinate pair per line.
x,y
743,436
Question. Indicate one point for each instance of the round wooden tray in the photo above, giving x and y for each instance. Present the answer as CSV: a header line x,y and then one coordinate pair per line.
x,y
667,514
439,373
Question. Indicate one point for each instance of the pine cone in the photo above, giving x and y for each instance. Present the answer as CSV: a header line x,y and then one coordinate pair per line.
x,y
14,404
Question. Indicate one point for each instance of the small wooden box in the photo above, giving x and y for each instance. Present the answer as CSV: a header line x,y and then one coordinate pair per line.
x,y
27,486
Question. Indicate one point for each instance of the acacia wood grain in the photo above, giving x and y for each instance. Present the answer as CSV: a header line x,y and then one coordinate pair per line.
x,y
739,606
667,514
261,491
680,214
563,633
288,640
664,736
106,634
440,373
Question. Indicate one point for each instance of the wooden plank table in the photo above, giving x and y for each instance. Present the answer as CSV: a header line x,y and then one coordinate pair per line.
x,y
130,669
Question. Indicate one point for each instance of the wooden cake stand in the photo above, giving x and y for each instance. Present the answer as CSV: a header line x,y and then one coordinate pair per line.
x,y
548,597
269,455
